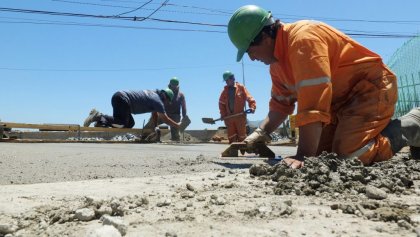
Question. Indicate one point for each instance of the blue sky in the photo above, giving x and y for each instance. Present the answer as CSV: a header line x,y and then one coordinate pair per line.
x,y
54,69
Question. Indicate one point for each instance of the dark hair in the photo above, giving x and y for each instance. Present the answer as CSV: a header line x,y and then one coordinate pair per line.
x,y
270,30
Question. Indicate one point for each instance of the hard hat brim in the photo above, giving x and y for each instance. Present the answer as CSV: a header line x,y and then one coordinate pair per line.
x,y
240,54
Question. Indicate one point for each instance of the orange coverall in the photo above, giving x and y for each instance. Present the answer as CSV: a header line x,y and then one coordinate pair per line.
x,y
338,82
236,126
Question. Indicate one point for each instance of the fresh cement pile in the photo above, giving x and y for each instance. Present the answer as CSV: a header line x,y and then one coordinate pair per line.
x,y
327,197
360,187
330,174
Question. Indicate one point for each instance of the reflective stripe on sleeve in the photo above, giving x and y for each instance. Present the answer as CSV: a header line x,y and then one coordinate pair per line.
x,y
290,87
362,150
313,82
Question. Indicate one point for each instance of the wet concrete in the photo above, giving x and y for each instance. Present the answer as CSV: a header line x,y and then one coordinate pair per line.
x,y
187,190
26,163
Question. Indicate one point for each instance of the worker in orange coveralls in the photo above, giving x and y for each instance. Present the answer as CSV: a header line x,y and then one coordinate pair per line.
x,y
345,93
232,101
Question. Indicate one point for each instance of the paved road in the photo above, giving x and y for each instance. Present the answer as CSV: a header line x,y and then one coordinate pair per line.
x,y
24,163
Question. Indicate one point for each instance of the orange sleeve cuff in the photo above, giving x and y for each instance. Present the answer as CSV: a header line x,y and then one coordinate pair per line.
x,y
312,116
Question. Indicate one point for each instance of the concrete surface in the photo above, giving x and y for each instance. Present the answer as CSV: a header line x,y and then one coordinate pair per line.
x,y
26,163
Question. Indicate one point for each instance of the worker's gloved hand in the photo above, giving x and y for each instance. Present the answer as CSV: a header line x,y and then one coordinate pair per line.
x,y
184,123
252,110
258,135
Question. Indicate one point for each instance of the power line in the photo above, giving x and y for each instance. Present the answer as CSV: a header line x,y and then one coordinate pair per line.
x,y
64,23
214,12
26,11
360,35
290,16
135,9
109,26
224,12
299,17
151,14
111,70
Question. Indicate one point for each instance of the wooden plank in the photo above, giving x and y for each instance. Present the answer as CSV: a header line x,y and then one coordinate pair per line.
x,y
73,127
102,129
9,140
67,127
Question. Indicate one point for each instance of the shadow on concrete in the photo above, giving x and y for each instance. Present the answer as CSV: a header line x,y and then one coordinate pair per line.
x,y
273,162
233,166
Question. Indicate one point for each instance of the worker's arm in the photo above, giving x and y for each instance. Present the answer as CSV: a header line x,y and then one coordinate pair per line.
x,y
168,120
268,125
183,106
309,137
222,103
251,101
272,121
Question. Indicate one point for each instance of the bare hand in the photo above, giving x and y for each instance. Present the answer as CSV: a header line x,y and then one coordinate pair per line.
x,y
294,162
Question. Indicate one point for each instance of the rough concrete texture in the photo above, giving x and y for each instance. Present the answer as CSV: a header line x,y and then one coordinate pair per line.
x,y
189,191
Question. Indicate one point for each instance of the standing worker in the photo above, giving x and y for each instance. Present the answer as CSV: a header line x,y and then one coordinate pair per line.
x,y
174,109
232,101
346,94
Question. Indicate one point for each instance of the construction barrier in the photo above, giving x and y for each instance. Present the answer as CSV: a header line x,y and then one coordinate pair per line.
x,y
405,63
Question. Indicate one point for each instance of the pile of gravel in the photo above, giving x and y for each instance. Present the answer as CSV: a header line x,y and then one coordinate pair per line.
x,y
330,174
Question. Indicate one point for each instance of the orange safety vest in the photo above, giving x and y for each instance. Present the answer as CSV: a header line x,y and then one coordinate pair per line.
x,y
241,96
318,66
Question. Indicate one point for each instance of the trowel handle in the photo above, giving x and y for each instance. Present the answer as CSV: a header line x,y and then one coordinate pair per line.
x,y
248,111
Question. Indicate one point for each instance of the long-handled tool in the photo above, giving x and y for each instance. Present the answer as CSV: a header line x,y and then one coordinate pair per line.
x,y
213,121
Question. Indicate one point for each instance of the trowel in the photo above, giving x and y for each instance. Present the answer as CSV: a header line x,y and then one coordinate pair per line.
x,y
261,149
213,121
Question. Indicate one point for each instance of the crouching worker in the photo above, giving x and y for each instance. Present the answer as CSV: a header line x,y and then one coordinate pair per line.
x,y
174,110
346,94
126,103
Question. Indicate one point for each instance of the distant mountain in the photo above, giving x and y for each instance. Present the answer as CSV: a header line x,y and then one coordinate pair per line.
x,y
254,124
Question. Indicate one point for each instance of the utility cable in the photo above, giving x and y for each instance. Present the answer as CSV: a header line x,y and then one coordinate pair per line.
x,y
110,26
112,70
147,17
135,9
102,16
148,9
385,35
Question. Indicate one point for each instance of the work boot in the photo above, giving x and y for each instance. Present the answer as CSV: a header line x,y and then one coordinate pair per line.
x,y
405,131
393,132
94,116
410,125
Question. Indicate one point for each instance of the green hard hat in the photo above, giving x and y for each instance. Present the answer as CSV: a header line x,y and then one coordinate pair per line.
x,y
244,26
169,93
174,81
227,75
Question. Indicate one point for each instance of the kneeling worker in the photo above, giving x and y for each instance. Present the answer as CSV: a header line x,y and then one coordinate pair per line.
x,y
126,103
346,94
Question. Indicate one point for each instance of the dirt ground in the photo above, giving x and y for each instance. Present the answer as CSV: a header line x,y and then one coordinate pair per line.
x,y
188,190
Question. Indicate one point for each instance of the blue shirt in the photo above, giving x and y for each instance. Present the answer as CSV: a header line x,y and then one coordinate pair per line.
x,y
144,101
